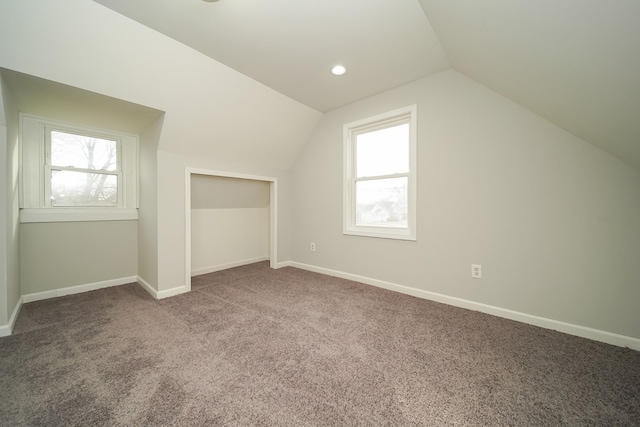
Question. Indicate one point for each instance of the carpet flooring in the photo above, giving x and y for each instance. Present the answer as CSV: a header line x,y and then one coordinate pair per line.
x,y
254,346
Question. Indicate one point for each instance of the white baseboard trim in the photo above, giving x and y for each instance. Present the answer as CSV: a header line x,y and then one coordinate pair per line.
x,y
161,294
6,330
219,267
283,264
568,328
37,296
172,292
147,287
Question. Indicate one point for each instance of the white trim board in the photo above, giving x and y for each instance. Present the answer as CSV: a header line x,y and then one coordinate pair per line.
x,y
6,330
162,294
567,328
273,217
207,270
285,264
37,296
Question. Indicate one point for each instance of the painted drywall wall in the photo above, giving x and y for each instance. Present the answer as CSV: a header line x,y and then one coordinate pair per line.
x,y
221,192
208,104
148,204
56,101
4,303
13,205
57,255
229,222
228,237
171,214
554,221
9,253
214,117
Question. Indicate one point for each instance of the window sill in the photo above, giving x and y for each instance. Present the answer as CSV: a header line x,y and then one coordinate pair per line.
x,y
381,234
77,214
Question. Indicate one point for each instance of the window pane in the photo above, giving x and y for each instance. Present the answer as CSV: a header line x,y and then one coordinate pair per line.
x,y
78,151
383,152
70,188
382,202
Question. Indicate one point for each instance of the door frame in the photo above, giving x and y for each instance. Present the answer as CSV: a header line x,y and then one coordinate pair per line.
x,y
273,213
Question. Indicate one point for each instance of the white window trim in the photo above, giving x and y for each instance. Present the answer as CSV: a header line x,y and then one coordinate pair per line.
x,y
350,131
33,191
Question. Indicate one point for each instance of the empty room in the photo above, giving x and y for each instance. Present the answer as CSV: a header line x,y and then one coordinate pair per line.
x,y
294,213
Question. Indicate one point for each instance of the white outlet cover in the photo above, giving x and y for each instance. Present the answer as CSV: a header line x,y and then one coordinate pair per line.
x,y
476,271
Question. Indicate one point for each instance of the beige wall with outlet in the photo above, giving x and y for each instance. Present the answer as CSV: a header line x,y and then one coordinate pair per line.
x,y
553,221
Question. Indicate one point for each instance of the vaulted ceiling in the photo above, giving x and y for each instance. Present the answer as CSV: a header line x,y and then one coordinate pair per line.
x,y
573,62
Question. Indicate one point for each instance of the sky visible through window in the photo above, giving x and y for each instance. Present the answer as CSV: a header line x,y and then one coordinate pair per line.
x,y
383,201
383,152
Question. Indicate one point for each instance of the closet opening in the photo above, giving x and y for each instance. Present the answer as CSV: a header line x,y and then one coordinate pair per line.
x,y
231,220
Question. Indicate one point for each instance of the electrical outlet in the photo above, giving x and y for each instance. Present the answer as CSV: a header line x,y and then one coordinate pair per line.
x,y
313,247
476,271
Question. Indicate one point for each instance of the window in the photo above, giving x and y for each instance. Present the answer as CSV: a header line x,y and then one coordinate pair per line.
x,y
380,176
74,173
81,170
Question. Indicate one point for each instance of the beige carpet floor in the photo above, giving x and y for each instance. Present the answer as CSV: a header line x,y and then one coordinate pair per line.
x,y
254,346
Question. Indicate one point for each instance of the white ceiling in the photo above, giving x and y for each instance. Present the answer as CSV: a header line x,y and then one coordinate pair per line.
x,y
291,45
574,62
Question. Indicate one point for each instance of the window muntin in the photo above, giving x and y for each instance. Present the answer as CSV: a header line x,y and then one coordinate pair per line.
x,y
380,176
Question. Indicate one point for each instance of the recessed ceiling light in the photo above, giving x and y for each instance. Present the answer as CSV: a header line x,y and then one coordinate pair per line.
x,y
338,70
210,1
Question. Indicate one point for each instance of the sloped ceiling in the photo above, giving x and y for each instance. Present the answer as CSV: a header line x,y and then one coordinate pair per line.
x,y
573,62
292,45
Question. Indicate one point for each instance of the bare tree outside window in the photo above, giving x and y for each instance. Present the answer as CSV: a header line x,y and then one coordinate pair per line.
x,y
84,170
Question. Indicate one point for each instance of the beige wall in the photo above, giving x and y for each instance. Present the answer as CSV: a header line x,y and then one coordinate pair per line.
x,y
229,222
221,238
221,192
554,221
57,255
148,204
4,303
53,100
172,237
9,234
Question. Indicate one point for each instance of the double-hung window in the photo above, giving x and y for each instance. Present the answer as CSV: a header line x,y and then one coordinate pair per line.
x,y
82,170
380,175
75,173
